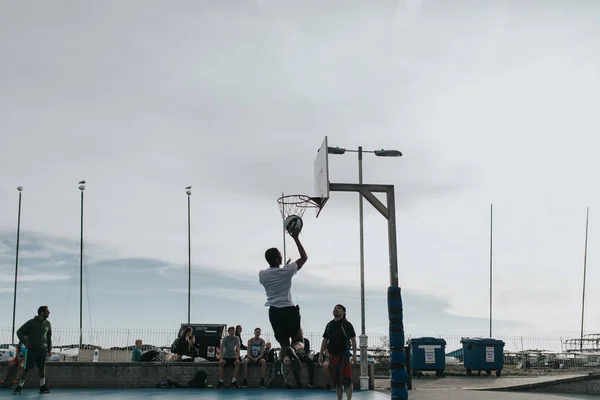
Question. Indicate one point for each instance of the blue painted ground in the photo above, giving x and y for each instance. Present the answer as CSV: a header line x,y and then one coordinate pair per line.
x,y
179,394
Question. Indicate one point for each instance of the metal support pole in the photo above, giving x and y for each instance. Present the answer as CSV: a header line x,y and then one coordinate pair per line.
x,y
189,193
16,267
284,245
491,262
363,338
82,188
587,216
391,205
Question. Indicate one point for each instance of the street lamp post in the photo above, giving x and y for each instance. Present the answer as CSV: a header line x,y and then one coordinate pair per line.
x,y
363,338
81,189
189,194
20,189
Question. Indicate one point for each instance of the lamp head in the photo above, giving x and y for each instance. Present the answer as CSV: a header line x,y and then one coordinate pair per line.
x,y
82,187
336,150
20,188
188,192
387,153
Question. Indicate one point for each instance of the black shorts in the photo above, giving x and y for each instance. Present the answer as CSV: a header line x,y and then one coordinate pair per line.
x,y
229,361
36,358
285,322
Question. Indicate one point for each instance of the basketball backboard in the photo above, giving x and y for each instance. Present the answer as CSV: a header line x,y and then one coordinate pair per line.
x,y
322,176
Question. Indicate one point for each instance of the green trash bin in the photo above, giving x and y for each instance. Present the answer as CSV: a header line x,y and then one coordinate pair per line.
x,y
483,354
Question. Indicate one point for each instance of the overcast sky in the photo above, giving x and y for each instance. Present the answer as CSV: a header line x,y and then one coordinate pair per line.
x,y
490,102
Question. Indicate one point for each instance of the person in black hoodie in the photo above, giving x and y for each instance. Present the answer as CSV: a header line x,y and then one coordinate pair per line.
x,y
338,339
36,334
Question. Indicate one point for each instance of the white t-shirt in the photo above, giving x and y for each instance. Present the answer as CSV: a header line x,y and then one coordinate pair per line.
x,y
277,283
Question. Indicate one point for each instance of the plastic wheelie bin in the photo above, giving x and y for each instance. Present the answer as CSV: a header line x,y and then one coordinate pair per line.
x,y
427,354
483,354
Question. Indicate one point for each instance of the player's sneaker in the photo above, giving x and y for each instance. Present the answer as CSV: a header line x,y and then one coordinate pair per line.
x,y
311,385
18,390
279,378
262,383
245,383
44,389
234,385
291,353
220,385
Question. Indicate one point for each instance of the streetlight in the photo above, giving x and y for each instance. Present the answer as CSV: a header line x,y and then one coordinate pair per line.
x,y
363,338
188,191
81,189
19,189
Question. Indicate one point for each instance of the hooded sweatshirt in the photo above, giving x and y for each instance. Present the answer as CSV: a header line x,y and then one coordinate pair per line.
x,y
36,333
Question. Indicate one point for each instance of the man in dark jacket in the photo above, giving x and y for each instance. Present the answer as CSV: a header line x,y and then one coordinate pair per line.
x,y
36,334
338,338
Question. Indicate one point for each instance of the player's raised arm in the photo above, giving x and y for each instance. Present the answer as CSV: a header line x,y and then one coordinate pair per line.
x,y
303,257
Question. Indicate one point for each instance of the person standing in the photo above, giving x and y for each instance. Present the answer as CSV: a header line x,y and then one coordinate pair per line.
x,y
338,338
36,334
283,314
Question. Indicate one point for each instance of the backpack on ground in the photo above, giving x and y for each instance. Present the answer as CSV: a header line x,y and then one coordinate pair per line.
x,y
199,380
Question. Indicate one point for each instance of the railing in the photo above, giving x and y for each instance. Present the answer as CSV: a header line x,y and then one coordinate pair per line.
x,y
115,345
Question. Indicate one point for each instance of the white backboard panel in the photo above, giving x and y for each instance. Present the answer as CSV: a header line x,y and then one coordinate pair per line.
x,y
322,175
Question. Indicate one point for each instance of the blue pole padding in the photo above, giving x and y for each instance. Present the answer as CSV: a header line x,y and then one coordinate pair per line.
x,y
398,374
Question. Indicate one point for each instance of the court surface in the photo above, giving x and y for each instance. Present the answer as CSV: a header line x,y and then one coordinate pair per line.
x,y
240,394
172,394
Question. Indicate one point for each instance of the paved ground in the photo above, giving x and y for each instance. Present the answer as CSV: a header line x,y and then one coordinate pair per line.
x,y
179,394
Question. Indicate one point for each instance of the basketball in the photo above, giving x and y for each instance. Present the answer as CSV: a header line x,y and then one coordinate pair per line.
x,y
293,224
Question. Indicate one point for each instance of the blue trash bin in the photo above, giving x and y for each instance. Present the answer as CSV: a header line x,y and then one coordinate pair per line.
x,y
483,354
427,354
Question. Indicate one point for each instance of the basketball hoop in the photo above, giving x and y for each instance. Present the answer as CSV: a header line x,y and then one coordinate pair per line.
x,y
296,204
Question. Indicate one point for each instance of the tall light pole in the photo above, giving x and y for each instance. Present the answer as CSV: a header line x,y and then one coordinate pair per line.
x,y
587,219
188,191
363,338
19,189
491,260
81,189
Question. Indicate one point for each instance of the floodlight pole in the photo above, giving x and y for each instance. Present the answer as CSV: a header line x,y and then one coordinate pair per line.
x,y
587,218
81,189
20,189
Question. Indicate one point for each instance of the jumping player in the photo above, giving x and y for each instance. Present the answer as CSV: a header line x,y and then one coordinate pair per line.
x,y
283,314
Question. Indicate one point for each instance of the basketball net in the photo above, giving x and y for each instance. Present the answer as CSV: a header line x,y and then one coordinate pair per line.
x,y
295,204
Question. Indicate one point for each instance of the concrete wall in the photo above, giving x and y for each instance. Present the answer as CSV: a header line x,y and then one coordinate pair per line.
x,y
583,385
147,375
589,384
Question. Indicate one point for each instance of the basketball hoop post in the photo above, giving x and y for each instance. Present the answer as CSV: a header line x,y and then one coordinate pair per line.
x,y
364,373
399,375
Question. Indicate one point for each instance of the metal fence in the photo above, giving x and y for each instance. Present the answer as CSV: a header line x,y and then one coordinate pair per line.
x,y
116,345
